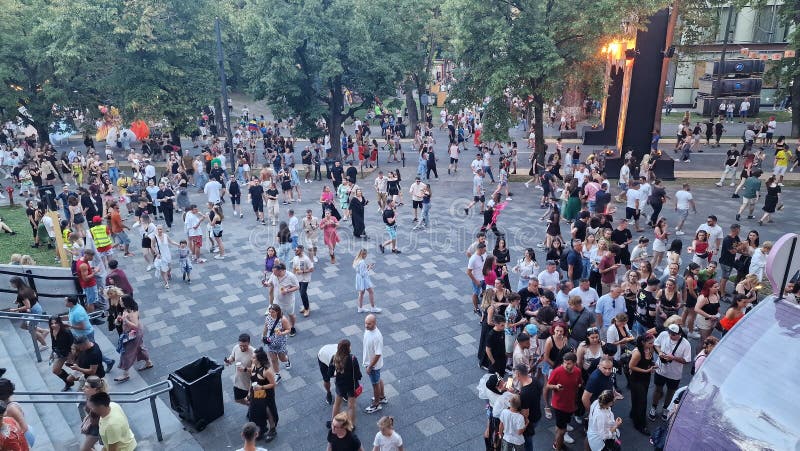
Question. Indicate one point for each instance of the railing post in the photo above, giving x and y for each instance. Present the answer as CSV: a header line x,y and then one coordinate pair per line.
x,y
32,329
155,418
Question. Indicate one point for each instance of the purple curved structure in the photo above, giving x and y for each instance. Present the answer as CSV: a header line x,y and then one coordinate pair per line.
x,y
746,394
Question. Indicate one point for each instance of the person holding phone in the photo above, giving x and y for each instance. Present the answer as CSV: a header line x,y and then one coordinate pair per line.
x,y
564,381
642,365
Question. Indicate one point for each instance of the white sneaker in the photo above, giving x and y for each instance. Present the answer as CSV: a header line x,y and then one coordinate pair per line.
x,y
149,267
527,184
508,198
680,232
568,439
315,259
733,184
362,310
718,184
375,310
219,257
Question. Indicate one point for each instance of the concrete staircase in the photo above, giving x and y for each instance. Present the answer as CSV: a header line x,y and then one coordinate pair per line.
x,y
57,426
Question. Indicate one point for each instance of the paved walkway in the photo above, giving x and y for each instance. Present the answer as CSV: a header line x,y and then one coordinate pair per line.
x,y
429,330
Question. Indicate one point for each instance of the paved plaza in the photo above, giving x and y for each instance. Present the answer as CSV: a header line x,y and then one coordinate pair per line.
x,y
427,322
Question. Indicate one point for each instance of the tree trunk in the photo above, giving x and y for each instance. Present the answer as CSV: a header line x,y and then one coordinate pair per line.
x,y
538,128
336,106
41,129
795,91
218,116
411,106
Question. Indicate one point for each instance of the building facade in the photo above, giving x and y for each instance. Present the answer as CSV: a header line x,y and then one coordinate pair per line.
x,y
757,29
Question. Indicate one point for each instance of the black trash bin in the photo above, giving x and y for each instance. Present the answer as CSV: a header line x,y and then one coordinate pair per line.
x,y
196,393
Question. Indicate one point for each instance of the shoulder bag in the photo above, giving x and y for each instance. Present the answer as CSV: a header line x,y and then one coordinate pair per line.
x,y
357,387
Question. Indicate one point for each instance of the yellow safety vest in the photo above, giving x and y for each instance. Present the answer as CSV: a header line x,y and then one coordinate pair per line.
x,y
101,238
65,233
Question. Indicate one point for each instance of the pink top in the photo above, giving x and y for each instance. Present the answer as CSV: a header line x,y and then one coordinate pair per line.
x,y
327,197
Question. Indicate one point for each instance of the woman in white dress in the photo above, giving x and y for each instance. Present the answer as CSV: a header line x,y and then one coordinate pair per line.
x,y
163,257
364,283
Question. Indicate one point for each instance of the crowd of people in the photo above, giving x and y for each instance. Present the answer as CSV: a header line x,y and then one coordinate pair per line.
x,y
601,305
605,303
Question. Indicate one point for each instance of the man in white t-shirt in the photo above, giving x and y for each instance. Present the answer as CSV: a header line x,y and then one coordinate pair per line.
x,y
683,200
475,273
587,294
191,225
549,277
633,205
624,179
674,351
478,193
213,190
477,163
454,152
714,232
285,284
325,359
373,360
250,433
744,107
241,357
303,267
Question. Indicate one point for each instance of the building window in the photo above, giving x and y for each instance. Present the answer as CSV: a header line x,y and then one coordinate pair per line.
x,y
767,25
722,19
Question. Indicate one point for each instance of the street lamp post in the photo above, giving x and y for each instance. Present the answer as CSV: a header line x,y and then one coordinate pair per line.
x,y
224,82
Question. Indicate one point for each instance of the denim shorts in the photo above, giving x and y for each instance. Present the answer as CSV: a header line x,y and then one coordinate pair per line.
x,y
392,231
374,376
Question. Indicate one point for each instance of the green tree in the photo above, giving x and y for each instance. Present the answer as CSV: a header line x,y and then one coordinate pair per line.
x,y
528,48
303,54
153,59
26,70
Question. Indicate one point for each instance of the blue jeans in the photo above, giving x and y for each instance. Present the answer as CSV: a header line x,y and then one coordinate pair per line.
x,y
426,208
729,115
488,171
201,179
113,174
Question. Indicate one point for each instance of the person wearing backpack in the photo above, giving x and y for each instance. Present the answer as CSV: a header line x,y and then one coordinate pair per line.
x,y
674,351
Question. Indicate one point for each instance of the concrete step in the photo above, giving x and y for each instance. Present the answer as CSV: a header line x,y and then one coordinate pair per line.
x,y
63,420
27,375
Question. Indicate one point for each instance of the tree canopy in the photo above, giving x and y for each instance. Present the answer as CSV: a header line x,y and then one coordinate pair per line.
x,y
529,48
151,59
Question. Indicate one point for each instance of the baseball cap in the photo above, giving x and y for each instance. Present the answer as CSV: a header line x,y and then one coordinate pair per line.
x,y
532,330
97,219
674,328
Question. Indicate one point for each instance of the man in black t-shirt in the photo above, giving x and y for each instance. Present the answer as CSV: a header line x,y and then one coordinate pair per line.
x,y
530,396
390,220
622,236
305,157
727,256
88,363
496,347
352,173
336,174
602,199
731,163
579,226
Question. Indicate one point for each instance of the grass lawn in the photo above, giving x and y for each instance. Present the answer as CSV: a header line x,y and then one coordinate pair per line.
x,y
764,115
21,242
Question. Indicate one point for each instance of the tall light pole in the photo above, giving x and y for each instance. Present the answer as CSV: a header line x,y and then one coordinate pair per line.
x,y
224,82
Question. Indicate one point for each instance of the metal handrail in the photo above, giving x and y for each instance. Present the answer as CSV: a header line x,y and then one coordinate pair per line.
x,y
34,318
78,397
